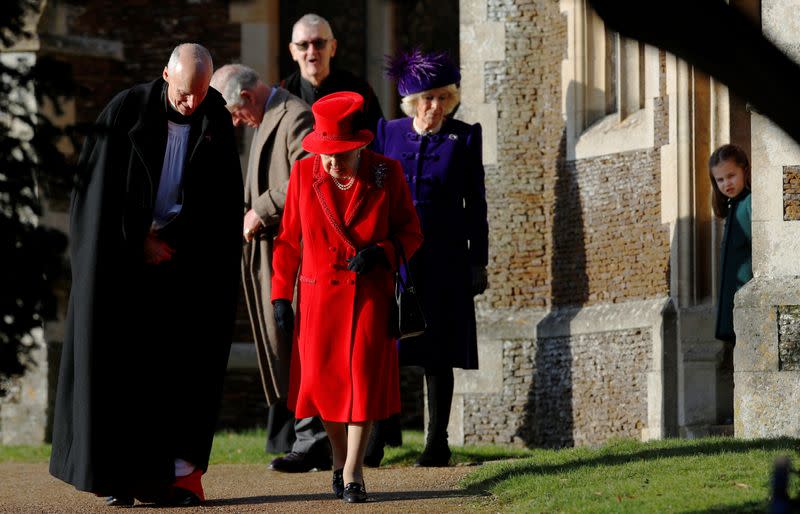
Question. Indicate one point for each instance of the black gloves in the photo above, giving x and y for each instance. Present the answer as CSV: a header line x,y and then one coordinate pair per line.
x,y
480,279
366,259
284,316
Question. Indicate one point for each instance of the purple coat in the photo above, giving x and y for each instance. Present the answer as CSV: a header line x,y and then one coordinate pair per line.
x,y
445,174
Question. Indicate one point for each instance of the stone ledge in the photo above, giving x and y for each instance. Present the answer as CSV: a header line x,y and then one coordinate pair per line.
x,y
83,46
604,318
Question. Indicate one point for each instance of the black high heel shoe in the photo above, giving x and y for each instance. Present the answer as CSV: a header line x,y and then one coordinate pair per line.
x,y
337,483
354,493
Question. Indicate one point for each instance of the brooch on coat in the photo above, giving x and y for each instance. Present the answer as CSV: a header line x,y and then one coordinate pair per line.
x,y
453,137
379,174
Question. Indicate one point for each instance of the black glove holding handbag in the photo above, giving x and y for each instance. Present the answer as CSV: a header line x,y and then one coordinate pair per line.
x,y
366,259
284,316
480,279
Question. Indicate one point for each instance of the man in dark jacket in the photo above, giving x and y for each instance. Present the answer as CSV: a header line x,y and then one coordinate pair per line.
x,y
155,245
312,48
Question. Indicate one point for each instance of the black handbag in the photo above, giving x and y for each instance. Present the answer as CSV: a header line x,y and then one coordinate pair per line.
x,y
407,320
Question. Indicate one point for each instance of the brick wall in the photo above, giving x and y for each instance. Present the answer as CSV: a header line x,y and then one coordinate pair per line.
x,y
431,24
608,241
564,391
526,87
149,31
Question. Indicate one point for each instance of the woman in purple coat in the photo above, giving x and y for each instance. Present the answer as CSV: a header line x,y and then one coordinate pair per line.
x,y
443,165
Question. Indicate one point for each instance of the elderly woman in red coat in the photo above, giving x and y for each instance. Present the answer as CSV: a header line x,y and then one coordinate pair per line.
x,y
346,208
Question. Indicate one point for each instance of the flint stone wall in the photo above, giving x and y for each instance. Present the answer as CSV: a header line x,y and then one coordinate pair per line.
x,y
568,376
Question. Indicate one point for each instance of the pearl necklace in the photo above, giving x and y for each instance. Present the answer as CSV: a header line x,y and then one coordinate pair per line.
x,y
347,184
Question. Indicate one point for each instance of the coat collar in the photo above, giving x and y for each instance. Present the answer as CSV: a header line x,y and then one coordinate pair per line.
x,y
274,111
364,186
148,136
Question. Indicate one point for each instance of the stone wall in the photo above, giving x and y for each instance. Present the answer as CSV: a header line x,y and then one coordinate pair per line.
x,y
579,246
580,377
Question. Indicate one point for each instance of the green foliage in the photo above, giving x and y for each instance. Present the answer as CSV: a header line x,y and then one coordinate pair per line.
x,y
706,475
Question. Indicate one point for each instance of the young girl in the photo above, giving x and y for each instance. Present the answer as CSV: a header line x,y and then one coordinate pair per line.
x,y
729,170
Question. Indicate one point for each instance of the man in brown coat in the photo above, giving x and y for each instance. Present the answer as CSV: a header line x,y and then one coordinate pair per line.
x,y
281,120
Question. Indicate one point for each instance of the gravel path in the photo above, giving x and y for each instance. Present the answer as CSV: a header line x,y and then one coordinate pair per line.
x,y
29,488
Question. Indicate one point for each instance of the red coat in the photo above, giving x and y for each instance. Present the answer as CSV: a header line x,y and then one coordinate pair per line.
x,y
344,361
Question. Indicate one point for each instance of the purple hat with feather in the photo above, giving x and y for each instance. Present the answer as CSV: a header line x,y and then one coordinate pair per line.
x,y
416,71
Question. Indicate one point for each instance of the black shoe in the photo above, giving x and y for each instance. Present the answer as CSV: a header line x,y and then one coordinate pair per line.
x,y
434,456
119,501
296,462
354,493
337,483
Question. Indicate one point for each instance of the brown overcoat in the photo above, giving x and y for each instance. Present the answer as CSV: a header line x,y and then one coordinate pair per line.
x,y
276,145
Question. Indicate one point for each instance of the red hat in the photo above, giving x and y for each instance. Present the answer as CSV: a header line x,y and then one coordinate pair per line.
x,y
333,124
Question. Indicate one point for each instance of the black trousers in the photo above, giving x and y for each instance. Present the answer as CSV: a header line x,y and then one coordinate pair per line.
x,y
285,433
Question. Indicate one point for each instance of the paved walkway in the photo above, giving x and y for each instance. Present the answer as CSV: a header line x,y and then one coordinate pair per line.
x,y
237,488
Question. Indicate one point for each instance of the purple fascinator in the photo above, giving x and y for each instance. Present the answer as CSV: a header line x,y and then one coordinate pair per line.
x,y
416,71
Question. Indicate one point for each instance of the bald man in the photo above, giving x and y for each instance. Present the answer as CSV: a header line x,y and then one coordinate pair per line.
x,y
155,231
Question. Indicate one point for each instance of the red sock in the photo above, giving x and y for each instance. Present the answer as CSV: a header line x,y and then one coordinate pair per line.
x,y
191,483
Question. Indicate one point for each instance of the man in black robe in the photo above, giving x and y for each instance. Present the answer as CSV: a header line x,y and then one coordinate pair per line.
x,y
155,234
312,48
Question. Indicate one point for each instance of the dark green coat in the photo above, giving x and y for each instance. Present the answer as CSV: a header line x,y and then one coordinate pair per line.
x,y
736,261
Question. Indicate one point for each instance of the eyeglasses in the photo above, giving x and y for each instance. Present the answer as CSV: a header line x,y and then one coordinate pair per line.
x,y
318,43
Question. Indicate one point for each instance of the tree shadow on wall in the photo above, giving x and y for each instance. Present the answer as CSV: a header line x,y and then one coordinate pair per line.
x,y
549,420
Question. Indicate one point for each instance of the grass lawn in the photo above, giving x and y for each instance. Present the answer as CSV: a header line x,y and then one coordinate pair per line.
x,y
248,448
714,475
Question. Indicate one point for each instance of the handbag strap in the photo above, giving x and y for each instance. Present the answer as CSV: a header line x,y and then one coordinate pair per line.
x,y
401,260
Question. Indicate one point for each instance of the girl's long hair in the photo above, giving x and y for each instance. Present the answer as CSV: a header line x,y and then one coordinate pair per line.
x,y
719,202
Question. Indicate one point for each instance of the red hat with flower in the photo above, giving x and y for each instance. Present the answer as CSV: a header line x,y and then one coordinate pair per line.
x,y
333,124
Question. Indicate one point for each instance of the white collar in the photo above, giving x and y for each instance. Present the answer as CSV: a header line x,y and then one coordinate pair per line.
x,y
421,132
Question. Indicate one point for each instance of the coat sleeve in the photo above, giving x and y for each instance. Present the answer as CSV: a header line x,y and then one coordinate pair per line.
x,y
747,219
286,253
404,224
475,200
270,204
